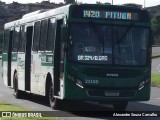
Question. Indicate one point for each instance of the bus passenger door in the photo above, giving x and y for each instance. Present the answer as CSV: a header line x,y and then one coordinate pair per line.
x,y
28,58
36,59
15,46
21,59
58,59
10,57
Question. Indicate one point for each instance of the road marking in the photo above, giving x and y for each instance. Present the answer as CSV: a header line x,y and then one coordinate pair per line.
x,y
157,98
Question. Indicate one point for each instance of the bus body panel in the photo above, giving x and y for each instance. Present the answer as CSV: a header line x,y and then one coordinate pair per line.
x,y
46,68
35,71
41,65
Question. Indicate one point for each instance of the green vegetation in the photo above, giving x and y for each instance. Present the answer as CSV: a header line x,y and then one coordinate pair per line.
x,y
156,54
155,80
155,24
8,107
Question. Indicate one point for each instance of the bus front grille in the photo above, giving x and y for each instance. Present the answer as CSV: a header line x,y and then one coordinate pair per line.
x,y
120,73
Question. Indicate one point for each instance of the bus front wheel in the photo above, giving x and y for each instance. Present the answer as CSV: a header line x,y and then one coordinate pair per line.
x,y
17,93
120,105
54,102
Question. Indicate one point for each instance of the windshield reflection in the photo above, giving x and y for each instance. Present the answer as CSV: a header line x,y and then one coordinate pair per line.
x,y
99,44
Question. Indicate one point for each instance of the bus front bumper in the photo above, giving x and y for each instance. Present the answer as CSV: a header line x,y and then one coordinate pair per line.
x,y
77,92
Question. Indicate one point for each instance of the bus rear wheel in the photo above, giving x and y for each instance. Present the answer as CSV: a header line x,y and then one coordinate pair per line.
x,y
17,93
120,106
54,102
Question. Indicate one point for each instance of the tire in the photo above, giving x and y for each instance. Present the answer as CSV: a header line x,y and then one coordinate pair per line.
x,y
54,102
120,106
17,93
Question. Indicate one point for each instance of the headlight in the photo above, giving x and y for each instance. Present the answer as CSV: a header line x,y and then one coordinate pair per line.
x,y
77,81
141,85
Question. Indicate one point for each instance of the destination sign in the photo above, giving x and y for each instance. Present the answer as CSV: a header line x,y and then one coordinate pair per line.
x,y
108,14
94,58
105,12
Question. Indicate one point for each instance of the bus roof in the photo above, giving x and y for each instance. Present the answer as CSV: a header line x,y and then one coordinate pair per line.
x,y
64,10
34,13
37,15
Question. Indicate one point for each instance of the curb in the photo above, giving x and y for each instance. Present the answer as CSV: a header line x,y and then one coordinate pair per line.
x,y
158,45
155,56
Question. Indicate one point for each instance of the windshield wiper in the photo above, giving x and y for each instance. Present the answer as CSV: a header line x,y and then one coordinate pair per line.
x,y
117,40
125,33
97,35
123,36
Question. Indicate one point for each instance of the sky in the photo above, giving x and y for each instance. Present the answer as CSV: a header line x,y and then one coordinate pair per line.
x,y
148,3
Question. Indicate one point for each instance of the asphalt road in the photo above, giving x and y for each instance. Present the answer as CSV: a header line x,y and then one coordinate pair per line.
x,y
156,65
156,50
156,61
38,103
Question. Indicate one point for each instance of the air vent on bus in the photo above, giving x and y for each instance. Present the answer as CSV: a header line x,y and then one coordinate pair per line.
x,y
120,73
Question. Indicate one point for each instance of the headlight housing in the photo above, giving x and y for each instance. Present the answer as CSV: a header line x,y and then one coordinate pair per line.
x,y
77,81
142,84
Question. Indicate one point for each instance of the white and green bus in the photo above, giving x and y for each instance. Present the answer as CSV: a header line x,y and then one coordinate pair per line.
x,y
80,52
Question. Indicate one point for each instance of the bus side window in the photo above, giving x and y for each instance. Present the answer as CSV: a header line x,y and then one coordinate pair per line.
x,y
5,41
36,36
51,34
16,39
43,35
22,39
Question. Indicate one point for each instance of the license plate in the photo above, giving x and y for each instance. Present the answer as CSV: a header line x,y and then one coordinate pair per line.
x,y
112,93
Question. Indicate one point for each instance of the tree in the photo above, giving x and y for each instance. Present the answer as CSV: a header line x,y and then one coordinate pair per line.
x,y
69,1
155,24
98,2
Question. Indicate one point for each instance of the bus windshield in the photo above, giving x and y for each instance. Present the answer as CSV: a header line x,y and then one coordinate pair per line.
x,y
108,44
